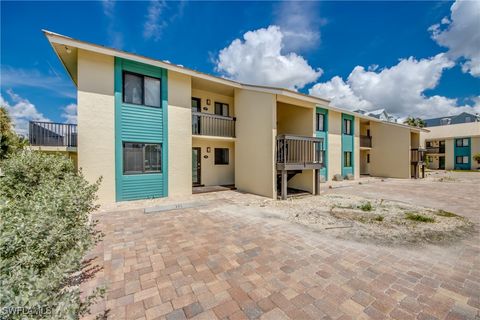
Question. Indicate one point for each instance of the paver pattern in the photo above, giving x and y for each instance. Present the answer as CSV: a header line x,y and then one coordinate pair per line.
x,y
221,261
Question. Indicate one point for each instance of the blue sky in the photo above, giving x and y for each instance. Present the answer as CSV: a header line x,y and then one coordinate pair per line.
x,y
349,52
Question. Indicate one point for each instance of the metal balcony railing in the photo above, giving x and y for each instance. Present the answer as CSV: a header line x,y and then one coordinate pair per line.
x,y
52,134
366,141
207,124
417,156
299,152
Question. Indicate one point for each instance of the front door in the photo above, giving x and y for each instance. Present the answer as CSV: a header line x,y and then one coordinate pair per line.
x,y
441,163
196,164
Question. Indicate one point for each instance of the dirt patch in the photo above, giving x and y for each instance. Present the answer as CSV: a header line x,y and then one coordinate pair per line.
x,y
381,221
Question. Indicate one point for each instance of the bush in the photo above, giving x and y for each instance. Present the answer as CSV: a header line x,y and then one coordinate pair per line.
x,y
44,234
444,213
418,217
367,206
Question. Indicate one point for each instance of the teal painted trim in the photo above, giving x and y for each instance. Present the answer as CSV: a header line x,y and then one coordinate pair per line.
x,y
134,123
462,152
324,135
347,145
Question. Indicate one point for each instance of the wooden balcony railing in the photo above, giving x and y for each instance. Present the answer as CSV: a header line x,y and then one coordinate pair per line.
x,y
207,124
52,134
299,152
417,156
366,141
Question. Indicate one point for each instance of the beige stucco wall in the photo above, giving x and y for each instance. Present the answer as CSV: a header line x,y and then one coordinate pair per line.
x,y
212,174
96,125
475,149
214,97
255,171
334,144
390,153
364,165
449,154
179,134
470,129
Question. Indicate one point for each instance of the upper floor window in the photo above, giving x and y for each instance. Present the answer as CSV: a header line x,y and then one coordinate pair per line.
x,y
320,122
142,158
462,142
141,90
221,109
445,121
347,126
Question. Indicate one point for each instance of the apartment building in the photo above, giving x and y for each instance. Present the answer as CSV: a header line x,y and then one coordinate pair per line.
x,y
155,129
451,142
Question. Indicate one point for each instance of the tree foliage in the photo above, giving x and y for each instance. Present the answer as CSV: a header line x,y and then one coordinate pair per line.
x,y
10,142
414,122
45,232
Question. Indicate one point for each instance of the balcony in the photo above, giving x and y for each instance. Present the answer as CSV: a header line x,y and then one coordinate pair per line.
x,y
299,152
207,124
417,156
51,134
365,141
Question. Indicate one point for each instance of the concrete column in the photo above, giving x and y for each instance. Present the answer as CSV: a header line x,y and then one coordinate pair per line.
x,y
284,184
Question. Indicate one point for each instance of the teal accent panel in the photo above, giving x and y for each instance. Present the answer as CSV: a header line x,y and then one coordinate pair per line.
x,y
347,145
462,151
324,136
134,123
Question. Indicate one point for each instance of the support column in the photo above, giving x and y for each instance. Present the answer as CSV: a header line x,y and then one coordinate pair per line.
x,y
317,182
284,184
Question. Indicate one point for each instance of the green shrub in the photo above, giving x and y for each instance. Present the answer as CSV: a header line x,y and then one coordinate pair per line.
x,y
418,217
444,213
367,206
378,218
44,234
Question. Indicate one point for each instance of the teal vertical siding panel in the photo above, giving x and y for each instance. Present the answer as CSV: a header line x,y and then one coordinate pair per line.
x,y
324,136
134,123
347,145
462,151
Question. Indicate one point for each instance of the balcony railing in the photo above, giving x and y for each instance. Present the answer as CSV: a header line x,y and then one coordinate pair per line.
x,y
417,156
52,134
207,124
366,141
299,152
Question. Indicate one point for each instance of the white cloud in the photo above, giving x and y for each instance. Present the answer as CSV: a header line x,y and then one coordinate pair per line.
x,y
15,77
257,59
21,111
300,24
115,37
461,35
70,113
399,89
153,26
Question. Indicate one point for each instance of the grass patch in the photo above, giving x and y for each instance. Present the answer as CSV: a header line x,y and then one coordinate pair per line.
x,y
444,213
418,217
378,218
367,206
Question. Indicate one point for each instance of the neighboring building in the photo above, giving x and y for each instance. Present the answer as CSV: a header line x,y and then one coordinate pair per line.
x,y
379,114
154,129
452,142
463,117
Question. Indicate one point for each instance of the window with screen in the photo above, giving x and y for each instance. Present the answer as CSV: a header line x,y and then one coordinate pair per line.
x,y
347,159
221,156
141,158
141,90
221,109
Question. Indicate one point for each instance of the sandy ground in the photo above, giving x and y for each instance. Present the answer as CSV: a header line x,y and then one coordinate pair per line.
x,y
337,212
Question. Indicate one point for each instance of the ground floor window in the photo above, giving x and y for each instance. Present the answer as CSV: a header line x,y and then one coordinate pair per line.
x,y
221,156
142,158
347,159
461,160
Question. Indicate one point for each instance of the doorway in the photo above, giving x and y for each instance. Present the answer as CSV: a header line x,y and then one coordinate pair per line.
x,y
441,163
196,166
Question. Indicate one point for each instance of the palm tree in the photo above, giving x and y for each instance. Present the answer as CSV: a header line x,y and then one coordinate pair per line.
x,y
414,122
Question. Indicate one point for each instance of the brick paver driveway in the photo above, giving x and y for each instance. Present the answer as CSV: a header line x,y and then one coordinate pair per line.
x,y
226,261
